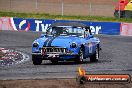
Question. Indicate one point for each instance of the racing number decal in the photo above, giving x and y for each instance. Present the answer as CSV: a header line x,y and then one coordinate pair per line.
x,y
90,48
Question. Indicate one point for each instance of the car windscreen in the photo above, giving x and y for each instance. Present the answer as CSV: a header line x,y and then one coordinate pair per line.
x,y
65,31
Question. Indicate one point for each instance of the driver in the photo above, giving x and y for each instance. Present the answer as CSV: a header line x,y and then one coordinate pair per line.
x,y
57,31
86,32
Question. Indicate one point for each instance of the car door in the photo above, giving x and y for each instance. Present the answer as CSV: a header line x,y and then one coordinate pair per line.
x,y
90,46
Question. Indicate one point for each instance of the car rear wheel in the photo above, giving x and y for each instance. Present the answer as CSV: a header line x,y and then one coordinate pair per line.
x,y
95,56
80,57
36,60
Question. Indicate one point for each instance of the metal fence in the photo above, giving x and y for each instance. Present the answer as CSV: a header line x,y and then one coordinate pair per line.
x,y
61,7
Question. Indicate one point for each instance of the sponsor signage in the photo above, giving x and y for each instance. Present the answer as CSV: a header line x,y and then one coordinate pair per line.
x,y
108,78
22,24
102,78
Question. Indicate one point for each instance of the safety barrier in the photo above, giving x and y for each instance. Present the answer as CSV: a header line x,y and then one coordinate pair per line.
x,y
5,23
126,29
22,24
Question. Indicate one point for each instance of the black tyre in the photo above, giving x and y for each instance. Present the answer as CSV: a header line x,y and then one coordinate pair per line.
x,y
95,56
54,61
81,80
79,59
36,60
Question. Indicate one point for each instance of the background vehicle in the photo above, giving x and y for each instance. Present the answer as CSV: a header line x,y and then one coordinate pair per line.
x,y
119,10
128,10
66,41
123,9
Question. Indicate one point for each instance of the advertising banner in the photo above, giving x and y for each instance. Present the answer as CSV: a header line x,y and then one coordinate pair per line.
x,y
110,28
21,24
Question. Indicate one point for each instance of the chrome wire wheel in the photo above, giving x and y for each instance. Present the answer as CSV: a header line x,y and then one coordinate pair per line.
x,y
81,55
79,59
95,57
97,53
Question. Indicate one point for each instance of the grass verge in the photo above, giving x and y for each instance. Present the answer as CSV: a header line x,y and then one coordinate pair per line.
x,y
65,17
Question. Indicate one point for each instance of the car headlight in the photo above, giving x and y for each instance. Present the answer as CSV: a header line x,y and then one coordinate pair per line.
x,y
73,45
35,44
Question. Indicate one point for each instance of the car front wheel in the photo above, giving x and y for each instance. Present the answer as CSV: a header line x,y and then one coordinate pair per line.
x,y
36,60
54,61
95,56
80,57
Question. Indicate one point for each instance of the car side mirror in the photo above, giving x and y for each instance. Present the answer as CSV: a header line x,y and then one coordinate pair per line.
x,y
42,35
89,36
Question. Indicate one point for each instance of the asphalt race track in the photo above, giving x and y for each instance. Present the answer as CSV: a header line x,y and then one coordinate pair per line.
x,y
115,57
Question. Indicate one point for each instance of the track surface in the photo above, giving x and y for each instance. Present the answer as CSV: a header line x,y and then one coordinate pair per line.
x,y
115,57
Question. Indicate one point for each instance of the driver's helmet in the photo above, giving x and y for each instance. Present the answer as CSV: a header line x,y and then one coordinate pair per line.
x,y
57,30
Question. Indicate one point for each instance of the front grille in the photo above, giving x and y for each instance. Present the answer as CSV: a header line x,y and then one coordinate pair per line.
x,y
54,49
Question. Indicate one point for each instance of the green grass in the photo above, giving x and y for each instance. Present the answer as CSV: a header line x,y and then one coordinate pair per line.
x,y
65,17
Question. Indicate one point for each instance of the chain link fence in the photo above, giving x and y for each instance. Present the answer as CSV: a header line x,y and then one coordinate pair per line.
x,y
61,7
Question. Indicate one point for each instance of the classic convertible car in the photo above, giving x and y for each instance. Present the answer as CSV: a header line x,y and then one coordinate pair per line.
x,y
66,41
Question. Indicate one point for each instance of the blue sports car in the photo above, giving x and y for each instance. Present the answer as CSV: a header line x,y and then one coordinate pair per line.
x,y
66,41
